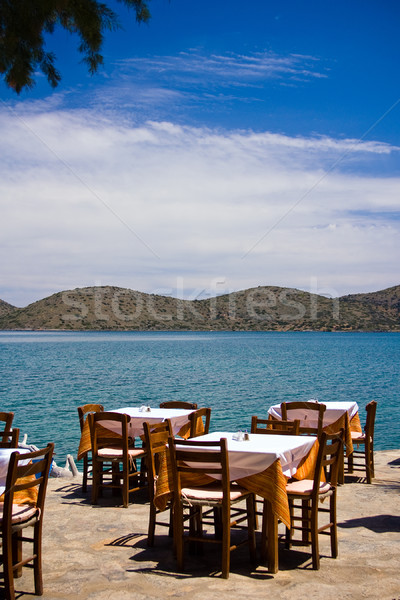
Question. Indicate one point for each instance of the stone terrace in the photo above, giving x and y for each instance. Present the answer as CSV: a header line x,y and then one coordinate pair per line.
x,y
100,552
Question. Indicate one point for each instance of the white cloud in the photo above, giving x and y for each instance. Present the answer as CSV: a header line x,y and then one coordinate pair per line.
x,y
195,80
86,200
229,69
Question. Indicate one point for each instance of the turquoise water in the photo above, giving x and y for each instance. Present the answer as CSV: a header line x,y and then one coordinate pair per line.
x,y
45,376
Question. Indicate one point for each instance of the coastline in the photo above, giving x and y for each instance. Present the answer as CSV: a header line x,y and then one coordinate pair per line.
x,y
59,330
263,308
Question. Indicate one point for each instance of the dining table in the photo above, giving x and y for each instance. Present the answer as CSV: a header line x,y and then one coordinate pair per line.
x,y
338,415
179,419
262,464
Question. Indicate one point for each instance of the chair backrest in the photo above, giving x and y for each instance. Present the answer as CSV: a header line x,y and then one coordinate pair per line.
x,y
27,476
198,428
87,409
156,437
194,457
328,459
310,414
370,423
10,440
109,429
269,426
179,404
6,418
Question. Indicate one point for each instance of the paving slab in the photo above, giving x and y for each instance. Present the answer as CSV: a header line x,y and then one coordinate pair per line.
x,y
101,553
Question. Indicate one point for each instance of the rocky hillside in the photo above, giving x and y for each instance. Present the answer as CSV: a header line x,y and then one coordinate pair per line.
x,y
5,308
261,308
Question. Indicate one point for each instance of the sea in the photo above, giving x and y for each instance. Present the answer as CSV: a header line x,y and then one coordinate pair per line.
x,y
45,376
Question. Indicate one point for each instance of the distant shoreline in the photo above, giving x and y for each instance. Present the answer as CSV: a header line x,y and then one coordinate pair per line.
x,y
264,308
193,331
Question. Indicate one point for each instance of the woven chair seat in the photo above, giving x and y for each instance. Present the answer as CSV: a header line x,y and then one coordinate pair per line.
x,y
305,486
212,494
110,453
20,513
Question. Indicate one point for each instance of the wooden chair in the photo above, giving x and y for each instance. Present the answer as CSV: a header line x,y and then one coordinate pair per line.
x,y
309,409
197,428
363,446
306,496
274,427
6,419
155,440
83,411
28,474
10,440
110,452
270,427
219,495
179,404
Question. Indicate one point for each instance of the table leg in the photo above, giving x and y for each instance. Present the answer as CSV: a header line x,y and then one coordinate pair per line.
x,y
269,537
341,466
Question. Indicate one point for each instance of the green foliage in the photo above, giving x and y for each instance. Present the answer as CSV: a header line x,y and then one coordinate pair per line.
x,y
23,24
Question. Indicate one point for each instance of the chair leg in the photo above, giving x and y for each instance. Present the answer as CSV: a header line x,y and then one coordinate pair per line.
x,y
8,569
195,529
332,514
226,542
85,473
152,524
350,463
217,523
341,468
289,530
171,523
96,480
17,553
251,527
305,519
178,534
371,450
142,479
116,480
314,537
199,529
369,466
125,487
37,563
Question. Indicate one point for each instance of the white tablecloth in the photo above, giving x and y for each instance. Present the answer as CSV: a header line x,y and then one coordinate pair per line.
x,y
5,454
334,410
178,417
253,456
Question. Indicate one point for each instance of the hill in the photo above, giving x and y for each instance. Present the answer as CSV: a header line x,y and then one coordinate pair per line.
x,y
255,309
5,308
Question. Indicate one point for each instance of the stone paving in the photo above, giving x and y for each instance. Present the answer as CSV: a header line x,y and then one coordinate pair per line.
x,y
100,552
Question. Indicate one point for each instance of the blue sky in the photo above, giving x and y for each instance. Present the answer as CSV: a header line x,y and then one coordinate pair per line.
x,y
222,146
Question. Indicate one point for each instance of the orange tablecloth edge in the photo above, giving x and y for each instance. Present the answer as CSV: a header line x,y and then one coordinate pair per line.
x,y
270,484
28,496
85,444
